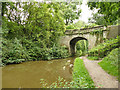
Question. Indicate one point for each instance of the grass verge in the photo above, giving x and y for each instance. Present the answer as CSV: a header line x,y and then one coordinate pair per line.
x,y
81,76
110,63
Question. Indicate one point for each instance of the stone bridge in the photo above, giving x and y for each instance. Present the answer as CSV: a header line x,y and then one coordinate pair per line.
x,y
93,35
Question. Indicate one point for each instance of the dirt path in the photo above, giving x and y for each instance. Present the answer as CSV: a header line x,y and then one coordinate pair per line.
x,y
99,76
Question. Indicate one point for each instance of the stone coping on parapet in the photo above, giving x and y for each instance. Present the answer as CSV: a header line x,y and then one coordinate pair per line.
x,y
83,28
82,32
72,30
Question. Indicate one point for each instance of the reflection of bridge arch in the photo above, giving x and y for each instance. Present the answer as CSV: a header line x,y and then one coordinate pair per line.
x,y
73,42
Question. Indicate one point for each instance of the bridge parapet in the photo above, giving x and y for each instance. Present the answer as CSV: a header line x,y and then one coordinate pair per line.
x,y
83,30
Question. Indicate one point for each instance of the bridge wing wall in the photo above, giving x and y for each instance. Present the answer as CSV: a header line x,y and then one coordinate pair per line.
x,y
113,31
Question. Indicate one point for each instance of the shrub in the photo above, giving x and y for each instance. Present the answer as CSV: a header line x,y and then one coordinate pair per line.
x,y
13,51
104,49
17,51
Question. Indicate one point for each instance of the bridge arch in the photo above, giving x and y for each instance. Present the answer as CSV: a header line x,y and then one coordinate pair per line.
x,y
72,36
73,42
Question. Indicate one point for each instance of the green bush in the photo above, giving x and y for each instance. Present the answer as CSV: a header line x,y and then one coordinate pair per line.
x,y
104,49
13,51
17,51
81,76
110,62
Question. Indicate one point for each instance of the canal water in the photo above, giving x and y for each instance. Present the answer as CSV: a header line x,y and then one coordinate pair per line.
x,y
28,74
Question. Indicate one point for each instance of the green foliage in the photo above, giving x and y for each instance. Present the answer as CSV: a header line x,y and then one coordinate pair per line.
x,y
90,25
110,63
13,51
81,47
35,37
97,32
16,52
103,49
70,11
93,58
5,9
42,22
45,23
60,83
110,10
81,76
79,24
76,25
70,26
97,19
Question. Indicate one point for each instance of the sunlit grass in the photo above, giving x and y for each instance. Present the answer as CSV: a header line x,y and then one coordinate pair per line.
x,y
110,63
81,76
107,66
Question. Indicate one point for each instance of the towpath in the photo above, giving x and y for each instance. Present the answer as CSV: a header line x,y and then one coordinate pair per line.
x,y
99,76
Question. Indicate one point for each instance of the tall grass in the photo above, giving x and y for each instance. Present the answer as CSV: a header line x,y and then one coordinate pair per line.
x,y
81,76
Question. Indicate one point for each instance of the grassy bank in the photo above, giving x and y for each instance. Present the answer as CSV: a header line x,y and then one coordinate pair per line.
x,y
110,63
81,76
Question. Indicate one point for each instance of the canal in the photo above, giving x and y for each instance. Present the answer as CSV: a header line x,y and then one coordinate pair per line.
x,y
28,74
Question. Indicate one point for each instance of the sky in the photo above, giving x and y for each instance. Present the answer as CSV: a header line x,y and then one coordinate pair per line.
x,y
86,12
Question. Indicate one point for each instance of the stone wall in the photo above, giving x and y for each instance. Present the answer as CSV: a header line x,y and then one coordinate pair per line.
x,y
113,31
85,34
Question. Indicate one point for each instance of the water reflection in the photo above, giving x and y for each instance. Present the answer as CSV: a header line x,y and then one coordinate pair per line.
x,y
28,74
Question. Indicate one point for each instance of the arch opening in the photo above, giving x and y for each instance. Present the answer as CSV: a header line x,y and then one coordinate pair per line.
x,y
73,44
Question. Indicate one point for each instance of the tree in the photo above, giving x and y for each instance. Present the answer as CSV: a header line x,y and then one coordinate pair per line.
x,y
110,10
42,22
11,19
97,19
70,11
79,24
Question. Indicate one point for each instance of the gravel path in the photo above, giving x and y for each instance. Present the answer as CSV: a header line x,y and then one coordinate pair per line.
x,y
100,77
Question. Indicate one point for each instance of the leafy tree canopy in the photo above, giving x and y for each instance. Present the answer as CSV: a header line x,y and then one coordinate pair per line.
x,y
37,21
110,10
97,19
70,11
